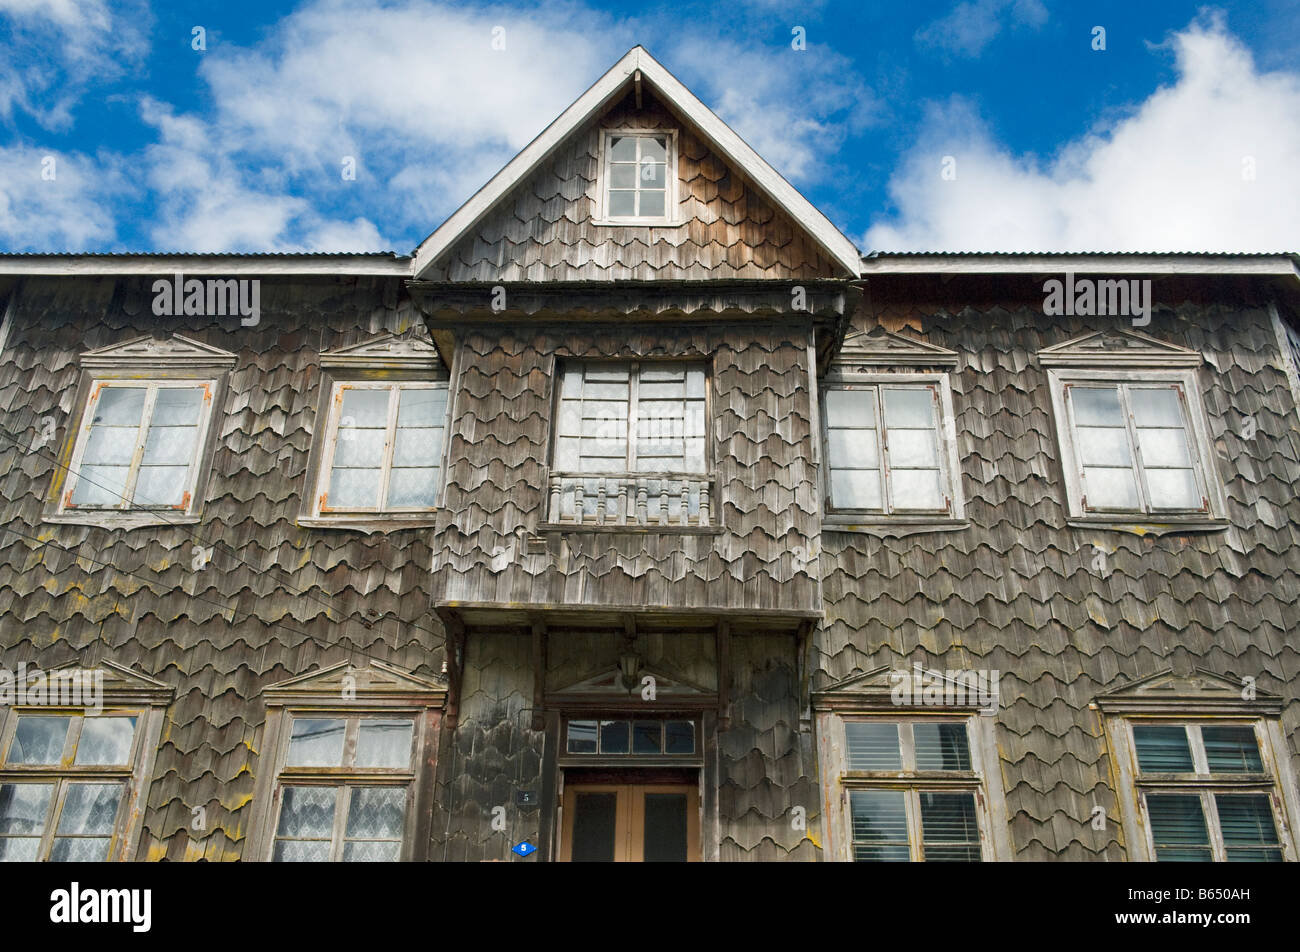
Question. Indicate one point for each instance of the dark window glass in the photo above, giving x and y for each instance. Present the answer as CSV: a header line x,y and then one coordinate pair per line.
x,y
594,821
941,747
665,828
647,737
613,737
1178,828
582,737
1162,748
679,737
1231,749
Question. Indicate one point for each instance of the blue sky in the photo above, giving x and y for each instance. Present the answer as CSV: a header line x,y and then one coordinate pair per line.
x,y
1182,134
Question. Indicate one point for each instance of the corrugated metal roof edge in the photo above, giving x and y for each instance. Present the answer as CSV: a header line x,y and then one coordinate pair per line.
x,y
199,262
1276,264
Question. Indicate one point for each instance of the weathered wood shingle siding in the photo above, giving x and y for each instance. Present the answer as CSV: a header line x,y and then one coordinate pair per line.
x,y
1017,592
544,231
761,444
220,635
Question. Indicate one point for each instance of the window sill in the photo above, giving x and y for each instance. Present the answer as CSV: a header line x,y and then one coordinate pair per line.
x,y
624,529
123,520
615,223
892,527
1150,527
371,522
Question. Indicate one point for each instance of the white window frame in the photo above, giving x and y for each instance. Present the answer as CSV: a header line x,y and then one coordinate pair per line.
x,y
125,694
1211,516
326,463
343,779
152,386
672,214
1135,785
838,780
343,691
899,520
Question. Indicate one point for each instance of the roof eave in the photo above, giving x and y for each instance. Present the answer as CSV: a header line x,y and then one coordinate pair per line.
x,y
87,265
1269,265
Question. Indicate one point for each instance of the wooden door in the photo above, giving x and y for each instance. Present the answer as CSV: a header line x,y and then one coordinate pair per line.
x,y
630,823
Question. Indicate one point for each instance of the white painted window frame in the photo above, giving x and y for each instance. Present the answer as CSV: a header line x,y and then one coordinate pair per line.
x,y
906,520
672,214
134,775
320,494
344,778
189,499
1135,786
1197,427
838,781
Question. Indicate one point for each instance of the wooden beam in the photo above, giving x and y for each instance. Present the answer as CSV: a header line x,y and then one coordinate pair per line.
x,y
636,80
539,673
803,647
724,674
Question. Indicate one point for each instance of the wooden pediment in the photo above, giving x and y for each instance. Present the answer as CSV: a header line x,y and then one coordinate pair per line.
x,y
345,682
1118,347
411,350
1201,691
174,351
881,348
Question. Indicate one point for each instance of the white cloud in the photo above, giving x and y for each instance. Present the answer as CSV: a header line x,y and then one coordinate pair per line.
x,y
56,201
973,24
794,107
58,48
413,91
1171,176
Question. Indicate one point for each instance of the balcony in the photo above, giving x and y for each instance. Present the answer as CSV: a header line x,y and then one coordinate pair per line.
x,y
634,500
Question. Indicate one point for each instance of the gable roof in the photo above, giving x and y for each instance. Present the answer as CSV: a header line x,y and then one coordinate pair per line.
x,y
638,63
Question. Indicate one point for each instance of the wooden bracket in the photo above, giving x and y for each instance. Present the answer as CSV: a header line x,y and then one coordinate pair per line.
x,y
636,81
455,649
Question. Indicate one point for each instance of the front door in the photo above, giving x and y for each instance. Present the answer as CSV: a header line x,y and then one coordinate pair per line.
x,y
631,823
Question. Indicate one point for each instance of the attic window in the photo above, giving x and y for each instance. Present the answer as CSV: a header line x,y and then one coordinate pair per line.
x,y
639,176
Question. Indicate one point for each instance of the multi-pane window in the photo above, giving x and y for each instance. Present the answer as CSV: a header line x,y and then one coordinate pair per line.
x,y
912,791
63,782
139,445
632,737
1206,792
384,449
345,789
639,171
634,434
886,449
1134,447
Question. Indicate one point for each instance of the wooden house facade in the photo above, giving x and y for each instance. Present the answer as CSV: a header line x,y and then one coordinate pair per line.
x,y
636,516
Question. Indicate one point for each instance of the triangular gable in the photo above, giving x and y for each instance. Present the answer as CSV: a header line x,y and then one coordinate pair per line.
x,y
115,683
1118,347
904,686
639,69
146,351
344,683
1201,691
881,347
609,683
413,350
